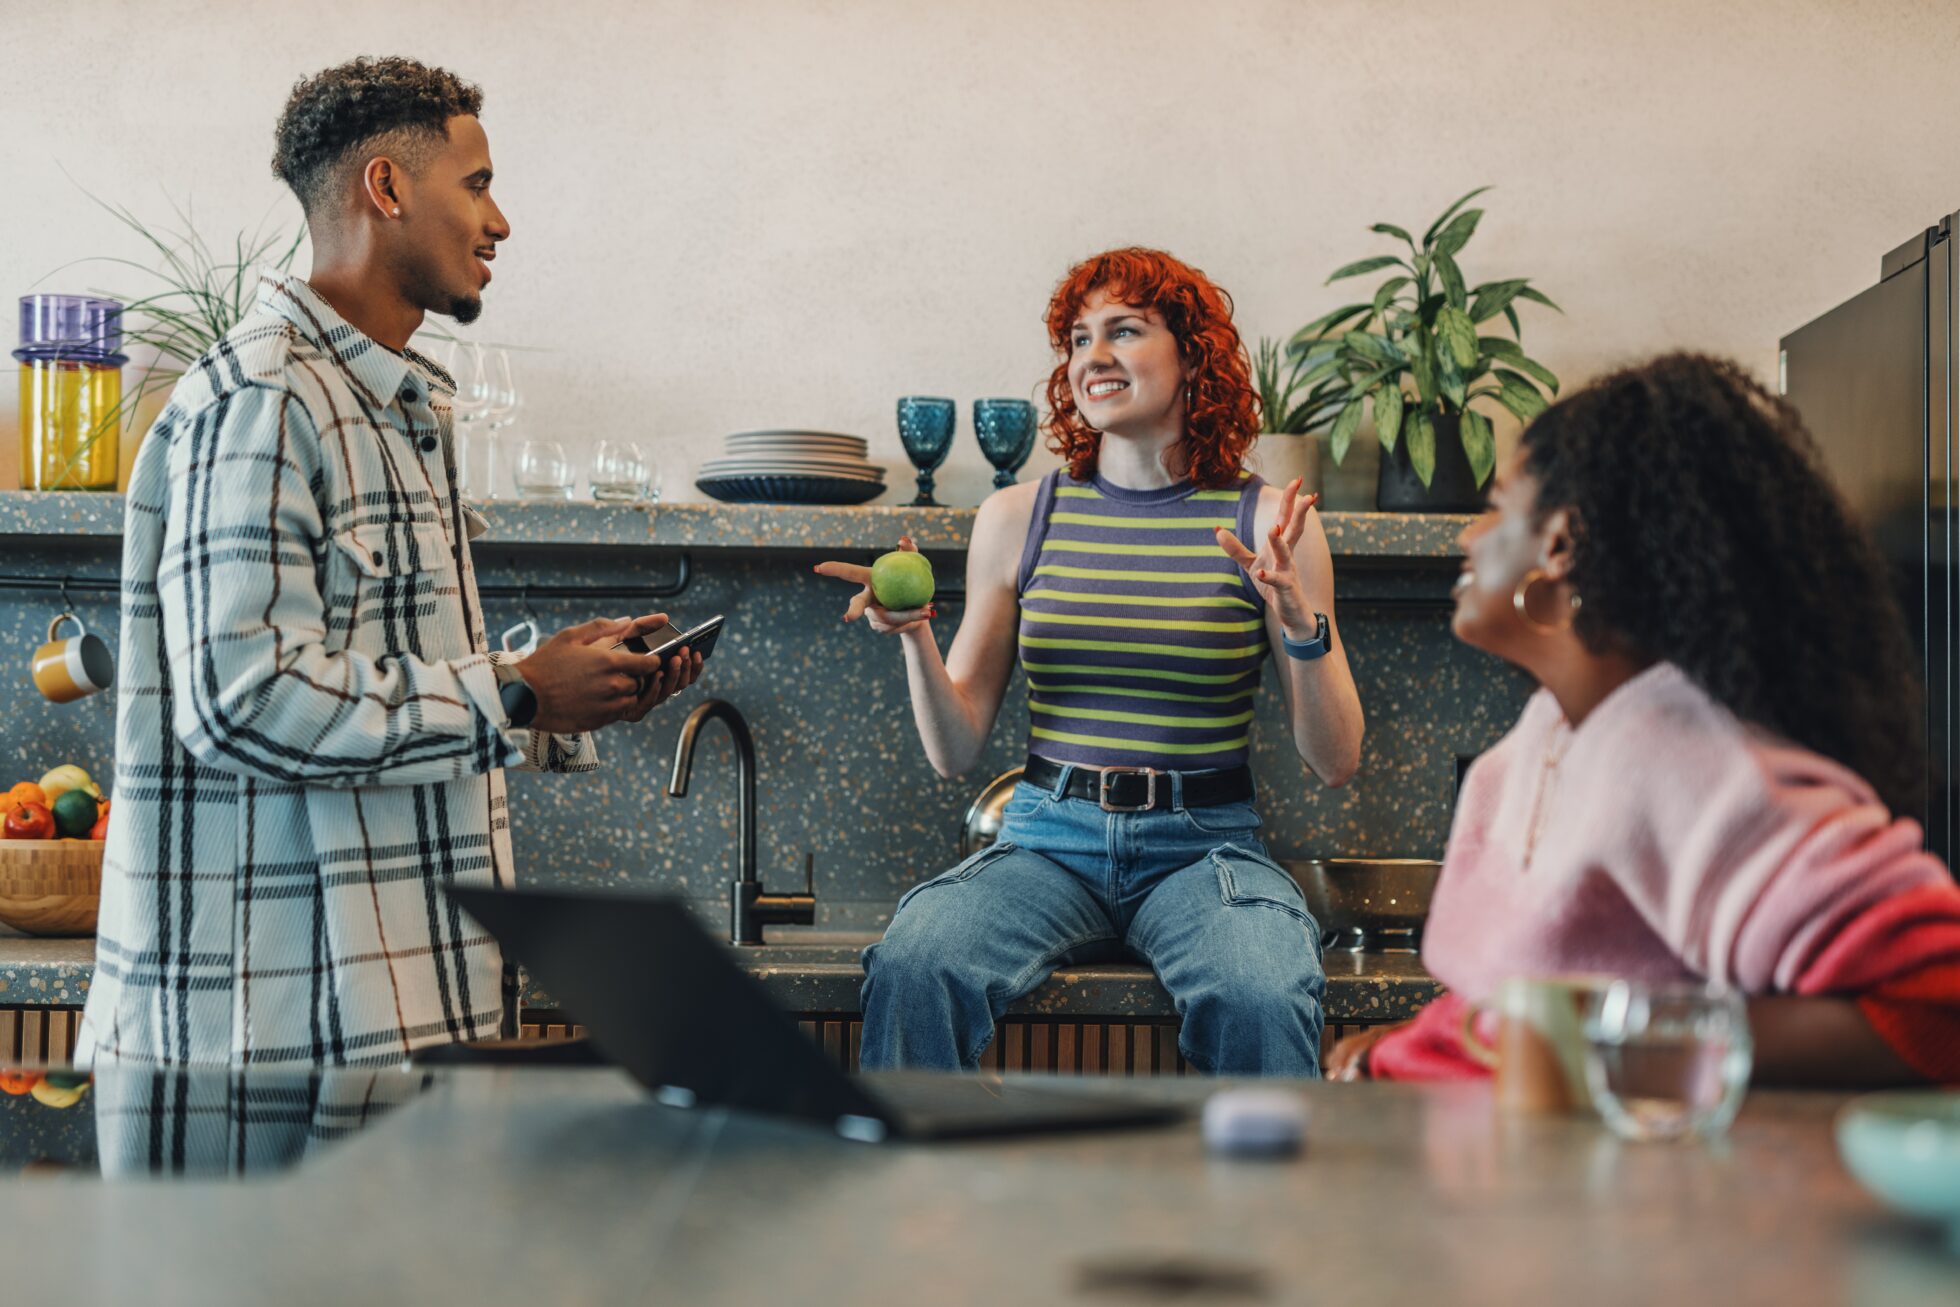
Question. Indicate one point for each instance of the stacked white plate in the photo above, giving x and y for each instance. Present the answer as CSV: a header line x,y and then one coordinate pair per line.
x,y
792,467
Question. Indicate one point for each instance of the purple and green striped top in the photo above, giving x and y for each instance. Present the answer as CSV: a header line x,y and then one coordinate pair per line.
x,y
1141,640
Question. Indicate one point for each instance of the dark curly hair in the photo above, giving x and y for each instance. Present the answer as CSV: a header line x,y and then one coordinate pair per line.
x,y
1222,419
333,114
1708,534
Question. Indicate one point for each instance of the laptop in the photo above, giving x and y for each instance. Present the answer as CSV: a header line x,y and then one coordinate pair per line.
x,y
663,999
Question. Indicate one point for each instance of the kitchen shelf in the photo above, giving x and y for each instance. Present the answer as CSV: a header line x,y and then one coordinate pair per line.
x,y
28,517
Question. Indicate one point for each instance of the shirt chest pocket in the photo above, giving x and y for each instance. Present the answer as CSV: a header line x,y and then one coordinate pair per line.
x,y
390,551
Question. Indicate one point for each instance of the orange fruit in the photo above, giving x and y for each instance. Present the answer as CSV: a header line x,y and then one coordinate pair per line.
x,y
29,792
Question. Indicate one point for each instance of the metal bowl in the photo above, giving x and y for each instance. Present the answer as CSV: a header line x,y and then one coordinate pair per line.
x,y
1368,897
983,817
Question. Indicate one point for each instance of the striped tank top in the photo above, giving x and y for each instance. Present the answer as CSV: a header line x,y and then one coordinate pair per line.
x,y
1141,640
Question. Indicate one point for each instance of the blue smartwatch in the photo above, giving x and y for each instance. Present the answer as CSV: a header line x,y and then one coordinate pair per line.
x,y
1308,650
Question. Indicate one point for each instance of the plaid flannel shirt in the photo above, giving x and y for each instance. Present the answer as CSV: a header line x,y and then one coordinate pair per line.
x,y
309,737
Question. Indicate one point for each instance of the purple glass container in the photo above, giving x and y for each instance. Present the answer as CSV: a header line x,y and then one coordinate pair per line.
x,y
81,328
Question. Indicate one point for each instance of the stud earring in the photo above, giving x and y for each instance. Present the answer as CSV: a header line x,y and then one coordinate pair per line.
x,y
397,210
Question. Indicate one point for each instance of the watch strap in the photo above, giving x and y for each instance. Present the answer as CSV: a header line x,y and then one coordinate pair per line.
x,y
1308,650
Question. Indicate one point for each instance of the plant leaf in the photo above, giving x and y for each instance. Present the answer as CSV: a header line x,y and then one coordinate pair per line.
x,y
1421,435
1319,327
1518,395
1452,279
1455,236
1539,297
1535,370
1374,348
1493,298
1366,265
1424,371
1512,314
1502,347
1479,444
1390,229
1458,335
1450,378
1386,291
1344,426
1448,213
1388,414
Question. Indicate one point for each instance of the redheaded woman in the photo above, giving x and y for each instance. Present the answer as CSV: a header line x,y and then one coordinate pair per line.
x,y
1141,622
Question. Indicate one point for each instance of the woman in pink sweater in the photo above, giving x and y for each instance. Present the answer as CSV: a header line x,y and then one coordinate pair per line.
x,y
1710,781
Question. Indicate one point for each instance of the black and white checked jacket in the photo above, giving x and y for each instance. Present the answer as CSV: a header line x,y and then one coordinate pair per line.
x,y
309,739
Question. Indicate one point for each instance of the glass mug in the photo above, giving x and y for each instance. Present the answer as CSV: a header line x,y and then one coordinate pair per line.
x,y
1668,1060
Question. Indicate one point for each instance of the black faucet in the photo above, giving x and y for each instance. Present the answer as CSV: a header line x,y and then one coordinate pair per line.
x,y
749,907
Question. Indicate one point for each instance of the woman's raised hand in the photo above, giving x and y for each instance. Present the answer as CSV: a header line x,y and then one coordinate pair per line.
x,y
1271,569
864,604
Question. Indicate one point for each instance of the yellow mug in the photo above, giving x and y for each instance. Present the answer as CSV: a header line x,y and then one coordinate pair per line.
x,y
75,667
1539,1057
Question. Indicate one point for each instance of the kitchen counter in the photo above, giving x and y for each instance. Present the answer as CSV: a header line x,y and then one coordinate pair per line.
x,y
68,516
571,1187
823,976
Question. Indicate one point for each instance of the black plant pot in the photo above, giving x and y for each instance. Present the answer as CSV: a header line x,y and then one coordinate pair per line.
x,y
1453,489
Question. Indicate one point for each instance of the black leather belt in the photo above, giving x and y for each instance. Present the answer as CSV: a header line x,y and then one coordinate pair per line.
x,y
1141,789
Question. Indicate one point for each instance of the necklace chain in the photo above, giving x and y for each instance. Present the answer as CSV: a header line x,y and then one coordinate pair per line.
x,y
1547,775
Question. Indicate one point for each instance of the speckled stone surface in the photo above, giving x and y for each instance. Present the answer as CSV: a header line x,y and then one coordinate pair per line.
x,y
45,972
709,526
842,773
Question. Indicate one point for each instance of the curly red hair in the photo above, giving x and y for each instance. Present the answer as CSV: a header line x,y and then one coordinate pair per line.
x,y
1221,418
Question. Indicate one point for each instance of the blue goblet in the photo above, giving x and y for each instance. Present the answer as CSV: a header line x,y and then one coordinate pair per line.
x,y
925,428
1006,430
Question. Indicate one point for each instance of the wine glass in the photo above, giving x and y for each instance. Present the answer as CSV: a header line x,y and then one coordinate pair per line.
x,y
925,428
502,400
476,460
541,470
621,472
1005,428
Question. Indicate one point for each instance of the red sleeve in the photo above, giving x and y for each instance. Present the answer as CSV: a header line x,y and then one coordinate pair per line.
x,y
1900,959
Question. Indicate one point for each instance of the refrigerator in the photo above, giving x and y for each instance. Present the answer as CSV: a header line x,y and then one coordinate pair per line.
x,y
1874,381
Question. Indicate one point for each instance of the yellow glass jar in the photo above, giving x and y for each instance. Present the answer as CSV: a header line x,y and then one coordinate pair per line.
x,y
70,392
69,416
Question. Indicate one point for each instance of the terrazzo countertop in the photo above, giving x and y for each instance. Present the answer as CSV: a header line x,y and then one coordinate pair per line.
x,y
823,975
71,515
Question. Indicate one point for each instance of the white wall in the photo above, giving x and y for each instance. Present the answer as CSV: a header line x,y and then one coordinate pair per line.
x,y
759,212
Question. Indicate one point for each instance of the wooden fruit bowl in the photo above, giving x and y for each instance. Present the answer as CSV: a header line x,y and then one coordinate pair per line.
x,y
50,887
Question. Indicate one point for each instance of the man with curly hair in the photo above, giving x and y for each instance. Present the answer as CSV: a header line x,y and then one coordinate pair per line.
x,y
311,734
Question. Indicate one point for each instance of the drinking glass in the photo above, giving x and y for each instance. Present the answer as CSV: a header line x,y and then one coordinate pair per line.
x,y
1005,428
541,470
925,428
1667,1060
476,448
620,473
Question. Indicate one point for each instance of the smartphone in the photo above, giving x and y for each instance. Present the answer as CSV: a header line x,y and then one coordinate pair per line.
x,y
664,642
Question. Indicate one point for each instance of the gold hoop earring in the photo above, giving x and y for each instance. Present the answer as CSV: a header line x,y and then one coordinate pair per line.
x,y
1521,603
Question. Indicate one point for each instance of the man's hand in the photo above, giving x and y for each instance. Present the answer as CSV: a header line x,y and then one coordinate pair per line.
x,y
681,671
583,683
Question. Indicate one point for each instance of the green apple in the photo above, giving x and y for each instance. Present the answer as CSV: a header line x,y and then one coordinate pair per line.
x,y
901,581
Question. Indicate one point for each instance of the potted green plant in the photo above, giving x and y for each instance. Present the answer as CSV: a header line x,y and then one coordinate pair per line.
x,y
1411,356
202,293
1286,447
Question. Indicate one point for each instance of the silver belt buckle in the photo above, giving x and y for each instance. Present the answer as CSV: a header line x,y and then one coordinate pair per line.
x,y
1149,789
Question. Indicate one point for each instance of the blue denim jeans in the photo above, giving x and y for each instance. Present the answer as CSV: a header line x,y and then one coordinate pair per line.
x,y
1191,891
